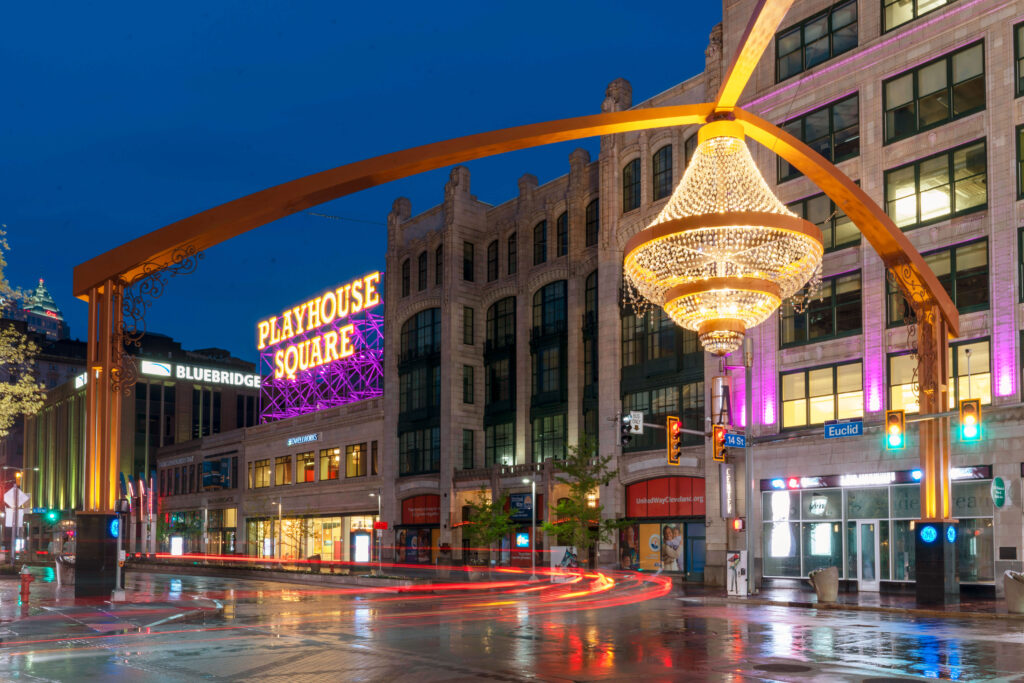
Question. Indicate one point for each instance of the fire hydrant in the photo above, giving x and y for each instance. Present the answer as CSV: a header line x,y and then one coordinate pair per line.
x,y
26,579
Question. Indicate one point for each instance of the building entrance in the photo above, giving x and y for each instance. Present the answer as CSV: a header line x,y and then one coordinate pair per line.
x,y
867,555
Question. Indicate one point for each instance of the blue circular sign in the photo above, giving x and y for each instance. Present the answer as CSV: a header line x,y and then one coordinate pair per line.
x,y
951,534
115,527
929,534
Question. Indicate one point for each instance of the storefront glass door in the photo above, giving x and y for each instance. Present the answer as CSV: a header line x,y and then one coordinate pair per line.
x,y
867,555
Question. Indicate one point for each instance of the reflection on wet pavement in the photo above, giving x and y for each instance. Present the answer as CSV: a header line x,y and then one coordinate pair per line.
x,y
516,631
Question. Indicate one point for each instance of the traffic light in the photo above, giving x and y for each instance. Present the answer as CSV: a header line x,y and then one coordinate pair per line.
x,y
738,524
970,419
52,516
17,478
627,431
673,427
718,449
895,430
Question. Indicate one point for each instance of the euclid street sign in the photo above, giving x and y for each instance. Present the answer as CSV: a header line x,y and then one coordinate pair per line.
x,y
836,429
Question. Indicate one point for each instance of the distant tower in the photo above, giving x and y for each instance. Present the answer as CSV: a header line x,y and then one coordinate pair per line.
x,y
42,314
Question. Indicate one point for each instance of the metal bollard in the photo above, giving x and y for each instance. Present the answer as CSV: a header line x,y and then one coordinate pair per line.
x,y
26,579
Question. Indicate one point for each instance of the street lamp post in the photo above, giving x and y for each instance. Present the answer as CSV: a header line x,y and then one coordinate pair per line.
x,y
379,533
533,527
279,550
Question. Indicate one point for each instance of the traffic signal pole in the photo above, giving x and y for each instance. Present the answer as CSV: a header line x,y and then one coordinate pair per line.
x,y
748,466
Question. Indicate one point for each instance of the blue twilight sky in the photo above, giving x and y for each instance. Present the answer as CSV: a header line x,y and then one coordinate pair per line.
x,y
118,118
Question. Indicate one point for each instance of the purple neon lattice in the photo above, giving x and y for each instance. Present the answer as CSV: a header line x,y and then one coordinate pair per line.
x,y
358,377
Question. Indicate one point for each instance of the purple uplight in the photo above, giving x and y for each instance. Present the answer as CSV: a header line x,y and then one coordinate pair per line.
x,y
355,378
874,378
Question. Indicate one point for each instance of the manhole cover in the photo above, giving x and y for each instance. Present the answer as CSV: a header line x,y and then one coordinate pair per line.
x,y
783,668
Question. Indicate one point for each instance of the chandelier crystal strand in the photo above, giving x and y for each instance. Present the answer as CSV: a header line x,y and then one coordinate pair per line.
x,y
724,252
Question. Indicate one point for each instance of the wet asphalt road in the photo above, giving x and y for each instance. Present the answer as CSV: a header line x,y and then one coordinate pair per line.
x,y
270,631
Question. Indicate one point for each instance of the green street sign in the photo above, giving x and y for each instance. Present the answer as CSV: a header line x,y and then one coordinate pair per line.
x,y
998,489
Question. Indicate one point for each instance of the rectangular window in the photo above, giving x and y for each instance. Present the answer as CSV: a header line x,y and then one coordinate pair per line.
x,y
468,326
355,460
405,277
549,438
631,186
374,464
439,264
467,261
947,184
547,371
330,463
815,40
1018,62
935,93
467,384
837,230
467,449
811,397
963,273
421,272
661,172
540,243
562,235
593,222
282,470
833,131
306,466
492,261
1020,162
419,451
970,376
498,380
898,12
499,444
512,257
835,312
259,474
632,338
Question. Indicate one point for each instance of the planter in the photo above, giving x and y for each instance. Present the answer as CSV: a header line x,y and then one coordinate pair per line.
x,y
1013,589
826,583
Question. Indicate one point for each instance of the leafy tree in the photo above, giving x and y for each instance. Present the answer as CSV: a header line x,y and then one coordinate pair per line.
x,y
489,522
20,394
578,520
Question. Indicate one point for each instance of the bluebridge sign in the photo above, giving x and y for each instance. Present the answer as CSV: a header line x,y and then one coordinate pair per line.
x,y
836,429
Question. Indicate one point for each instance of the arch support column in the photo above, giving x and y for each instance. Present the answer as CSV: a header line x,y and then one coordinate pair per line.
x,y
103,399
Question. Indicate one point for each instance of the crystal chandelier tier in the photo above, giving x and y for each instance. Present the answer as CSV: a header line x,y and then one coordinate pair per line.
x,y
724,252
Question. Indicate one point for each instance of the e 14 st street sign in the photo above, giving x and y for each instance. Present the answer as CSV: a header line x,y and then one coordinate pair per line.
x,y
735,440
836,429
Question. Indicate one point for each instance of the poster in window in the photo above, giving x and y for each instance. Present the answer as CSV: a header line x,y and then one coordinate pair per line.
x,y
672,548
629,547
649,537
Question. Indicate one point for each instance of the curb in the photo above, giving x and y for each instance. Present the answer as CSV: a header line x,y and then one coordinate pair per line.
x,y
839,606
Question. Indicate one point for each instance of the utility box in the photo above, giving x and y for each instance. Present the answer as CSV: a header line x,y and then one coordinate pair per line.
x,y
736,579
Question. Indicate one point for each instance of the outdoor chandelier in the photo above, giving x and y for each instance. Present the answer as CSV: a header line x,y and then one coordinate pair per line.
x,y
724,252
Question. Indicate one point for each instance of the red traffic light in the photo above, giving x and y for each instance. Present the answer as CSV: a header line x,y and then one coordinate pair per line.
x,y
738,524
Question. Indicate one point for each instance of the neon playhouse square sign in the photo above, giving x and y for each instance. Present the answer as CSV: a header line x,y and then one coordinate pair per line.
x,y
325,351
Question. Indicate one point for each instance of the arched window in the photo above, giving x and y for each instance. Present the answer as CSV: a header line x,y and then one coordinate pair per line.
x,y
562,235
549,308
631,186
593,222
662,172
689,147
421,334
439,264
405,277
421,272
513,258
501,323
540,243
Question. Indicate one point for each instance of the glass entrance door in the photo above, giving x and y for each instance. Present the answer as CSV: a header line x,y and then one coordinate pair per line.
x,y
867,555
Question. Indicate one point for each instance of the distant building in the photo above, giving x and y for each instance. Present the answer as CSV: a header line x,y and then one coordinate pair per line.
x,y
40,312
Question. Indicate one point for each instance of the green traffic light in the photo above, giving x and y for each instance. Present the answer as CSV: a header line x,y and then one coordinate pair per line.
x,y
969,432
895,440
52,516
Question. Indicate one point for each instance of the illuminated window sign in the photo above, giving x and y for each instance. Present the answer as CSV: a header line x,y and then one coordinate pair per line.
x,y
324,352
871,479
522,540
305,438
81,380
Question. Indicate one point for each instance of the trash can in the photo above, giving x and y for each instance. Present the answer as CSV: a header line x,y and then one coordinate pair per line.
x,y
314,563
65,571
1013,589
826,583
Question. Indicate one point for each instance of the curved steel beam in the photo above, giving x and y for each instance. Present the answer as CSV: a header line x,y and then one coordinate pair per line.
x,y
889,242
764,22
221,223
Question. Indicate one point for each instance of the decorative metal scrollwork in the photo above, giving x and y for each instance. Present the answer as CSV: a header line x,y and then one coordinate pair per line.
x,y
134,299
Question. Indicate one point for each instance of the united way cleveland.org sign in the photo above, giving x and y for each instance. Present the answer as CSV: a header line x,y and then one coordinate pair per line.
x,y
324,352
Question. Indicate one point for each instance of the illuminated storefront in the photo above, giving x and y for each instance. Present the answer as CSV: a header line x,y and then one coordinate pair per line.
x,y
864,524
417,537
331,538
668,531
